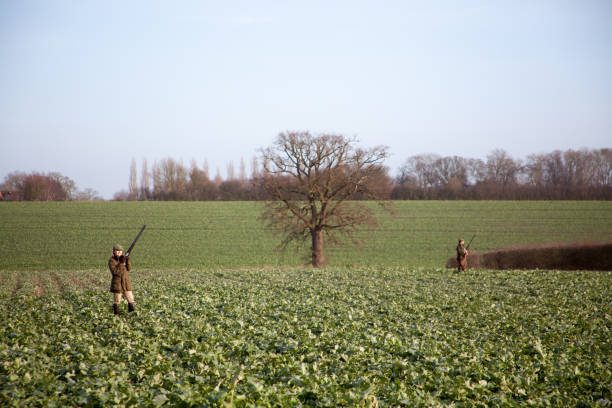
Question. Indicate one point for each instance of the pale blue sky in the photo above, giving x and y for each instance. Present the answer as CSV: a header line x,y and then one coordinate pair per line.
x,y
85,86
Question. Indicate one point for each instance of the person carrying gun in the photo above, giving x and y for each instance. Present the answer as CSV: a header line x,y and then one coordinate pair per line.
x,y
120,265
462,253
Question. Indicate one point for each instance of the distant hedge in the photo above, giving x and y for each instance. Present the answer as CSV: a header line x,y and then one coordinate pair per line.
x,y
594,257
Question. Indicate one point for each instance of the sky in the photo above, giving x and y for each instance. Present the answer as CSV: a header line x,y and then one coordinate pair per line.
x,y
88,86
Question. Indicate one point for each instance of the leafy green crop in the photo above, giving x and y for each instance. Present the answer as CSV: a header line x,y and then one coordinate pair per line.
x,y
302,337
400,332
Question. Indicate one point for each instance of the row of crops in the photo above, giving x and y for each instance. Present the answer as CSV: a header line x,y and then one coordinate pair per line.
x,y
77,236
301,337
224,320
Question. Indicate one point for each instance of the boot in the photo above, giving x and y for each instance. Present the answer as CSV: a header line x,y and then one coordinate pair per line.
x,y
130,307
115,308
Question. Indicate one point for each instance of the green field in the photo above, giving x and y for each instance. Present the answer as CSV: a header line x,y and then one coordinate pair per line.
x,y
301,337
50,236
223,320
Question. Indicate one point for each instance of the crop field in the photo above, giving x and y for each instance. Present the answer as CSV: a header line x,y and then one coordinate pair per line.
x,y
303,337
223,320
43,236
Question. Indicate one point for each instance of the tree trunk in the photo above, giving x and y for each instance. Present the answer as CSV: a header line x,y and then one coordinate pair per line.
x,y
317,248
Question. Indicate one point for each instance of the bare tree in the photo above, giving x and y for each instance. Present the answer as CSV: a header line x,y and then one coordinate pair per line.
x,y
421,169
477,170
231,174
581,166
121,196
604,167
205,168
14,181
218,179
133,184
254,168
145,182
200,186
501,168
535,169
87,194
452,170
41,187
66,183
157,180
555,169
243,176
174,179
311,180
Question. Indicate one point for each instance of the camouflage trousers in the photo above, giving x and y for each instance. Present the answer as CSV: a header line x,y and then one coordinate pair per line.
x,y
461,264
129,296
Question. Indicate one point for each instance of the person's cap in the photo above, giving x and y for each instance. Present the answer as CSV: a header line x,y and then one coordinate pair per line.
x,y
117,248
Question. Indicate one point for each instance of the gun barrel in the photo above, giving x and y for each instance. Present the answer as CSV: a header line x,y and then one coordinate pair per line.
x,y
470,243
134,243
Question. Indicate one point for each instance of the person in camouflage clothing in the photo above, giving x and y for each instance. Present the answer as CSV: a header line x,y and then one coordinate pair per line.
x,y
120,266
462,254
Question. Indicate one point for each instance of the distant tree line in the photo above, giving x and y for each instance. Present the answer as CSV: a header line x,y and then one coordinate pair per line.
x,y
171,180
570,175
559,175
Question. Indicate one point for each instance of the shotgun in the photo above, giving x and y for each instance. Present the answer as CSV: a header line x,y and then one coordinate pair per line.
x,y
468,245
129,251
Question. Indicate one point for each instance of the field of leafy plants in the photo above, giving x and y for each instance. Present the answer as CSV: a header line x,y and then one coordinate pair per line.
x,y
302,337
224,320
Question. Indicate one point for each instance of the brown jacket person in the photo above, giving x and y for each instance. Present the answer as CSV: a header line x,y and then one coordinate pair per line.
x,y
462,254
119,267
